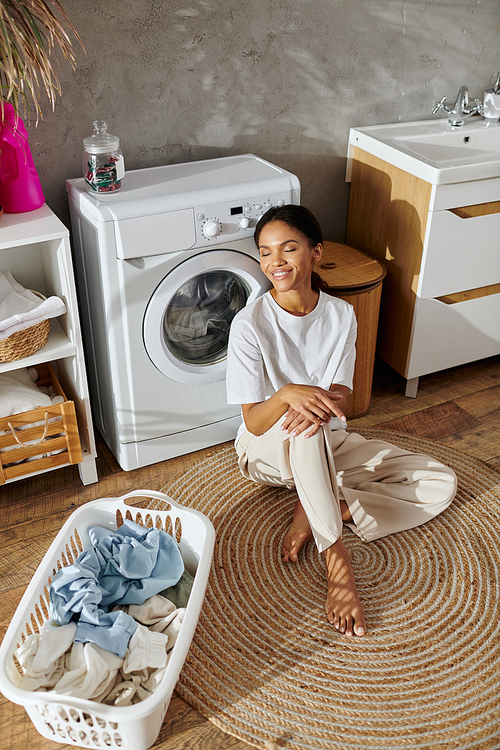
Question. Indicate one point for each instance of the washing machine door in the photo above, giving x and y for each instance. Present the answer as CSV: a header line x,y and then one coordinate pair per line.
x,y
187,320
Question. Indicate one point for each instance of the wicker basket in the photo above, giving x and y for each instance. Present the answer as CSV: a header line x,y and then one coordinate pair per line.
x,y
24,343
51,430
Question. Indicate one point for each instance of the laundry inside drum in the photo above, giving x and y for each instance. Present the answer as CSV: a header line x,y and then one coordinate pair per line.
x,y
197,320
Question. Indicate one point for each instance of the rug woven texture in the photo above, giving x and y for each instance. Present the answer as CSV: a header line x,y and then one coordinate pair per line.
x,y
266,666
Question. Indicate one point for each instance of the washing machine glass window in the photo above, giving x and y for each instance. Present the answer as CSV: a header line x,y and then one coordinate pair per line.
x,y
187,319
197,320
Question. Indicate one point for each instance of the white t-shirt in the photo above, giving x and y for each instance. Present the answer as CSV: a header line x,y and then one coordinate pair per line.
x,y
268,348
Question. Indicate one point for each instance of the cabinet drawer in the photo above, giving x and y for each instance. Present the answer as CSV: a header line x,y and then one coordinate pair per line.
x,y
460,253
446,335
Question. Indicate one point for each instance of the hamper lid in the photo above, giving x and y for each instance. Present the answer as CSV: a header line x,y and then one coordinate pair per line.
x,y
346,268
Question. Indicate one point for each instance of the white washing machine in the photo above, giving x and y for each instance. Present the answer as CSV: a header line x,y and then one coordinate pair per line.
x,y
163,267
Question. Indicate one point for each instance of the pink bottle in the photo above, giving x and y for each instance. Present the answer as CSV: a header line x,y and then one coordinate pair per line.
x,y
20,188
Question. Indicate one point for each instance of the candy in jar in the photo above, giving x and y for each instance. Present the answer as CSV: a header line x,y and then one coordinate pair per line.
x,y
103,163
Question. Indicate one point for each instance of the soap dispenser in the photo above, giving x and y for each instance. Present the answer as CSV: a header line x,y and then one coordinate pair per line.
x,y
491,106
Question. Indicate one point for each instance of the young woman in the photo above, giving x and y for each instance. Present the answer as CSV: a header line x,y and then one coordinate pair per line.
x,y
290,365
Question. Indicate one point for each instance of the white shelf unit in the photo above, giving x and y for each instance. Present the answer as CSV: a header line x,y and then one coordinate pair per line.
x,y
35,248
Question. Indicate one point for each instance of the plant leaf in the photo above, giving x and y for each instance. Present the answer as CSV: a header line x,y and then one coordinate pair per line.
x,y
29,32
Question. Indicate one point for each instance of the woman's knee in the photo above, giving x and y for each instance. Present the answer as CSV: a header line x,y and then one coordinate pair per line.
x,y
315,441
450,481
438,489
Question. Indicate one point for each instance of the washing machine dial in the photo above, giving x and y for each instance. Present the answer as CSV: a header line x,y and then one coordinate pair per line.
x,y
244,222
212,228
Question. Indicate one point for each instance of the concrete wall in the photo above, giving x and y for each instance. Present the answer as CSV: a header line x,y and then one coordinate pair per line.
x,y
284,79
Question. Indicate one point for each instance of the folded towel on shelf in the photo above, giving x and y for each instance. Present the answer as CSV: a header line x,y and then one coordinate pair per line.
x,y
21,309
19,392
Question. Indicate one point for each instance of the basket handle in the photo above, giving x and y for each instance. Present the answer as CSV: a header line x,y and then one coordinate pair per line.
x,y
20,442
152,494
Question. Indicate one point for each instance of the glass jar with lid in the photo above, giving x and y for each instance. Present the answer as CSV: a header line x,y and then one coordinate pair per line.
x,y
103,163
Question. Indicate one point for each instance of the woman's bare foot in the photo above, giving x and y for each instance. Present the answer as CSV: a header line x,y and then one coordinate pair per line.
x,y
298,535
343,607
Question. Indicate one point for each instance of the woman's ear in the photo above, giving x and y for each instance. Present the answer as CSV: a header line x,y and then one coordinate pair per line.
x,y
317,252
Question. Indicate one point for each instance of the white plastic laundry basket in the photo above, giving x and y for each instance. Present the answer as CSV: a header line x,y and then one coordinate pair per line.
x,y
75,721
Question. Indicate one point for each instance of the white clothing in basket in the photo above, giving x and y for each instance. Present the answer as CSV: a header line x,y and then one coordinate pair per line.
x,y
41,656
21,309
90,672
51,660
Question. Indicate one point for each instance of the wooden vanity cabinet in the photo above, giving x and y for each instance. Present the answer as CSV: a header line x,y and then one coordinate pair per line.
x,y
441,246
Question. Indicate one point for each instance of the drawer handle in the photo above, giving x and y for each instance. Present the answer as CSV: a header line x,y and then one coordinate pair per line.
x,y
328,265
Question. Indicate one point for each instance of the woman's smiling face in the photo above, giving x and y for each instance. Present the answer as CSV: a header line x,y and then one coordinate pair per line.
x,y
287,258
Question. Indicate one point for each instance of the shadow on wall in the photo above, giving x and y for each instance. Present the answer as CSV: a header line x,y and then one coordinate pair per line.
x,y
389,230
282,80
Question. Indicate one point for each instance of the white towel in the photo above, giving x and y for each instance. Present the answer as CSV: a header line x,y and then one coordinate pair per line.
x,y
21,309
19,392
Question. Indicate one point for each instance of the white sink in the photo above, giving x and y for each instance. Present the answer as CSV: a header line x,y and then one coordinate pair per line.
x,y
434,150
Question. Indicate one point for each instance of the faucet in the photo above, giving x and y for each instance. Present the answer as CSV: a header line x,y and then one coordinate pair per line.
x,y
460,111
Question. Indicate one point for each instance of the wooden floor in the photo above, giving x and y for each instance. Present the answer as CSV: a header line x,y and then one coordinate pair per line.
x,y
459,407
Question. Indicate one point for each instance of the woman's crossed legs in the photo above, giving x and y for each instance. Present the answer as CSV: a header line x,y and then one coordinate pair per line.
x,y
373,486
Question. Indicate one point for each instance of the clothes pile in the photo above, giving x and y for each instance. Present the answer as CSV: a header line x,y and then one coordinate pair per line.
x,y
114,618
21,308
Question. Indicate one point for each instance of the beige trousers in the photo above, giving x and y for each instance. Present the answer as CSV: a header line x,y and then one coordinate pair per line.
x,y
386,488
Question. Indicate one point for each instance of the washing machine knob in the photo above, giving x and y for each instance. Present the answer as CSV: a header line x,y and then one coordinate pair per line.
x,y
244,222
212,228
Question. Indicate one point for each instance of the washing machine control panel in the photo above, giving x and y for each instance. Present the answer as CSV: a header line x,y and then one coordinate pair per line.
x,y
234,220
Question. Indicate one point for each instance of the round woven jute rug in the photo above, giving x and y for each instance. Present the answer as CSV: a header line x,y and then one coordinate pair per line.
x,y
267,667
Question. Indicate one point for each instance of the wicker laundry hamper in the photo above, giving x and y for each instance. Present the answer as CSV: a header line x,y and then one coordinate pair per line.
x,y
356,278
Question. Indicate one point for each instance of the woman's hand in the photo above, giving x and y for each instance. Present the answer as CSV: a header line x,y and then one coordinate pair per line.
x,y
314,405
310,407
295,422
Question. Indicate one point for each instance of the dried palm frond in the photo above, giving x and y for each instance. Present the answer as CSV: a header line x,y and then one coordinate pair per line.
x,y
29,32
